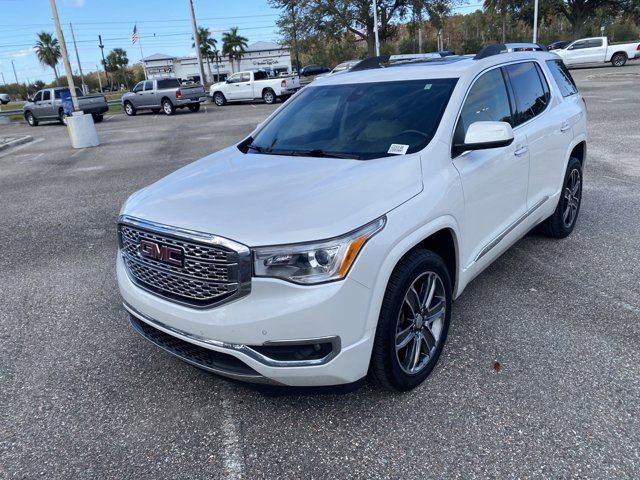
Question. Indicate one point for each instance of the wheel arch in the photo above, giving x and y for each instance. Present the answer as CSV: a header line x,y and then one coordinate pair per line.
x,y
579,151
267,89
165,98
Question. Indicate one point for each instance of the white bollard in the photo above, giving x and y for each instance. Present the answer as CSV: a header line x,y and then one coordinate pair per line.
x,y
82,130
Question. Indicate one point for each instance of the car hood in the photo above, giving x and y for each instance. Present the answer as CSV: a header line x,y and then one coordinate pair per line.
x,y
274,199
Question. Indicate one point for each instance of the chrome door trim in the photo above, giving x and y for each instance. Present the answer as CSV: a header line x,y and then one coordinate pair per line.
x,y
509,229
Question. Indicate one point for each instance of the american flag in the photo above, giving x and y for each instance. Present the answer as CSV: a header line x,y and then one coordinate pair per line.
x,y
134,35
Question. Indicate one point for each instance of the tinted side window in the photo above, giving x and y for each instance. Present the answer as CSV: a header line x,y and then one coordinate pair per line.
x,y
138,87
595,43
531,99
545,85
246,77
46,95
562,77
148,85
235,78
168,83
38,97
579,45
260,75
487,101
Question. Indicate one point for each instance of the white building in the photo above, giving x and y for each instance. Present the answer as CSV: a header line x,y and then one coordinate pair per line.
x,y
258,56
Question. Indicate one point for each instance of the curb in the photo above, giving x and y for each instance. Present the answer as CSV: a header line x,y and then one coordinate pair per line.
x,y
17,141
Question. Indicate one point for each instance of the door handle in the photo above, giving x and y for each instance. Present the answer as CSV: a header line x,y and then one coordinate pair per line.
x,y
565,126
521,151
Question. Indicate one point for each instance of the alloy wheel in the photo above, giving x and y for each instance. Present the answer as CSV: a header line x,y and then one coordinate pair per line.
x,y
572,195
420,322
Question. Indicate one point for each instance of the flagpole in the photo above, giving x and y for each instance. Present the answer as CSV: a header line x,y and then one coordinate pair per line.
x,y
144,67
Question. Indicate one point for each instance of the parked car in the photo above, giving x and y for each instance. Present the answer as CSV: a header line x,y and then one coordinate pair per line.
x,y
252,85
598,50
166,94
558,45
46,105
311,70
341,68
330,243
4,98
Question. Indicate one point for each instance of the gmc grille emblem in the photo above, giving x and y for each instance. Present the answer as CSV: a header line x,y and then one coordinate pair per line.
x,y
163,253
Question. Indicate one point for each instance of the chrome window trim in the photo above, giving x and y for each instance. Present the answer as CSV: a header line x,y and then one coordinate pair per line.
x,y
245,265
245,349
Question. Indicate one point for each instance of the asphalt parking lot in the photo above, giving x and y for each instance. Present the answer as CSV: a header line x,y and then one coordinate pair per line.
x,y
82,396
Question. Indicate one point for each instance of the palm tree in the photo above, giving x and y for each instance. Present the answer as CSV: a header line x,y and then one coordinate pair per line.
x,y
234,45
215,57
48,51
207,45
501,7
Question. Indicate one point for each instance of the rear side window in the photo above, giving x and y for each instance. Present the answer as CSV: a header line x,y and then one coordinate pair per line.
x,y
168,83
487,101
562,77
46,95
596,42
260,75
531,98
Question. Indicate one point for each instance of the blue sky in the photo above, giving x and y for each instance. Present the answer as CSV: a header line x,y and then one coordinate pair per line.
x,y
163,25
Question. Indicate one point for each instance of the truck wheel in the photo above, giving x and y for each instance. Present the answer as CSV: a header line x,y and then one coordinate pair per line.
x,y
97,117
31,120
218,99
129,109
563,220
269,97
413,323
194,107
62,118
167,107
619,59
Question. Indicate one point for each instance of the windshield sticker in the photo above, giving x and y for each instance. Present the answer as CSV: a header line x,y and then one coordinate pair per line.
x,y
398,149
427,86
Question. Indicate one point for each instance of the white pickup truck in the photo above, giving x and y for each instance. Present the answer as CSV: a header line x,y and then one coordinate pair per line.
x,y
598,50
253,85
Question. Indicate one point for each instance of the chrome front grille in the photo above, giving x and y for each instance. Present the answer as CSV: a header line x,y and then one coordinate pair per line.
x,y
212,269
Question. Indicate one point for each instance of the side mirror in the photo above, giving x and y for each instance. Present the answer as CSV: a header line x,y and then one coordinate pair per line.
x,y
484,135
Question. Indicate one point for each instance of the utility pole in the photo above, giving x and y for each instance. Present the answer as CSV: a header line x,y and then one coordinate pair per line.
x,y
535,21
73,36
3,80
196,41
295,37
375,27
14,72
104,64
99,79
65,56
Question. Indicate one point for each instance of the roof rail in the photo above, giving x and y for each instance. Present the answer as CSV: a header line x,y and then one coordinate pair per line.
x,y
509,47
490,50
388,60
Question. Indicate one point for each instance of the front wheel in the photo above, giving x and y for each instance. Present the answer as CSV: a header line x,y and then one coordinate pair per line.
x,y
97,117
167,107
129,109
194,107
413,323
618,60
31,120
563,220
269,97
219,99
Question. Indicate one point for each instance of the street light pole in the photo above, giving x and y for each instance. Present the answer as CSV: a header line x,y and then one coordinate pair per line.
x,y
375,27
196,41
14,72
535,21
65,56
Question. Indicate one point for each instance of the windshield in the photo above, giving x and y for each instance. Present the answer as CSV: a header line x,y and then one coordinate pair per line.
x,y
363,121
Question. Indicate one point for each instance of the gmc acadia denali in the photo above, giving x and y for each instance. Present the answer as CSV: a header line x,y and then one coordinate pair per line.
x,y
330,243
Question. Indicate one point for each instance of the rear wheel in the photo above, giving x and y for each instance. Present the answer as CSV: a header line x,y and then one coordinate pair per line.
x,y
97,117
269,97
62,118
563,220
219,99
414,322
194,107
31,120
167,107
619,59
129,109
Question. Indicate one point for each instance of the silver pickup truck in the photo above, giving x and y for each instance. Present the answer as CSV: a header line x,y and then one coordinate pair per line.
x,y
165,94
47,105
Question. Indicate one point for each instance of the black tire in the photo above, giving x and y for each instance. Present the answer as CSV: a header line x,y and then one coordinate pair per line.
x,y
558,225
31,119
155,111
129,109
619,59
167,107
386,367
61,117
97,117
219,99
194,107
269,96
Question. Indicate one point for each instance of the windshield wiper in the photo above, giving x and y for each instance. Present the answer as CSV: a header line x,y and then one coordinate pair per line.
x,y
257,148
317,152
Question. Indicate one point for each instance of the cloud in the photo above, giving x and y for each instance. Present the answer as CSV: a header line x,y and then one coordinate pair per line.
x,y
25,52
74,3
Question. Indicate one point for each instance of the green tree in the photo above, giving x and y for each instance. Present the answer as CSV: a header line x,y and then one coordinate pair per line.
x,y
234,45
116,63
48,51
207,46
501,7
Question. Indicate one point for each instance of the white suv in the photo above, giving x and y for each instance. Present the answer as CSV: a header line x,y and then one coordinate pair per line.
x,y
331,242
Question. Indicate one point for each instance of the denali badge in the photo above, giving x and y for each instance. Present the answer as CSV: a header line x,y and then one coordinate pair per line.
x,y
164,253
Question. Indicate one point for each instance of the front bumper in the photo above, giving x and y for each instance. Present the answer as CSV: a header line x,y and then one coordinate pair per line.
x,y
275,312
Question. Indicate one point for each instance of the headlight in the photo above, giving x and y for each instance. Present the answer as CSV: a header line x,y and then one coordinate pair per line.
x,y
311,263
